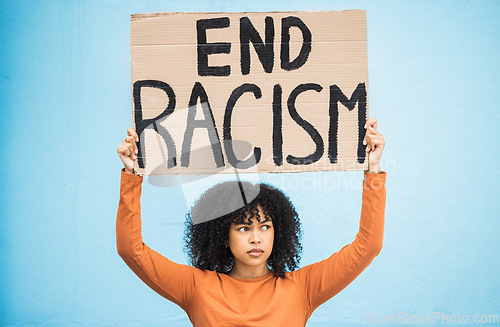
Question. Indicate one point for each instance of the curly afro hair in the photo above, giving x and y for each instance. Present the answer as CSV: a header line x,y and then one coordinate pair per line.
x,y
208,222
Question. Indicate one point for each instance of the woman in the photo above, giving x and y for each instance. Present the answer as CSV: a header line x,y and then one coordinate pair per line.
x,y
239,276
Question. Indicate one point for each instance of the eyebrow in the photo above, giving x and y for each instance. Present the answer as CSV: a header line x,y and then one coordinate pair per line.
x,y
248,224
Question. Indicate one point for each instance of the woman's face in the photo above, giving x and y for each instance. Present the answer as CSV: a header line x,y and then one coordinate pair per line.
x,y
251,242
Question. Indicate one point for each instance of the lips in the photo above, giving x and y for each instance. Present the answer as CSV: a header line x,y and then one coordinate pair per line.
x,y
255,252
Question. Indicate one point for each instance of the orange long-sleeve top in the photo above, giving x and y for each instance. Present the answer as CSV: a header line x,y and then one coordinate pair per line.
x,y
215,299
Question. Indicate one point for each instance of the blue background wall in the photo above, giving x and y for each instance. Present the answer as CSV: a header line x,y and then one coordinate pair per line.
x,y
65,105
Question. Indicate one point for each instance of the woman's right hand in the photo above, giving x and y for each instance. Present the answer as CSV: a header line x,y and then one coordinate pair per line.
x,y
128,149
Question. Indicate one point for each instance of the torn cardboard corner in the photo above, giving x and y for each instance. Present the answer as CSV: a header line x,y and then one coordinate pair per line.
x,y
259,92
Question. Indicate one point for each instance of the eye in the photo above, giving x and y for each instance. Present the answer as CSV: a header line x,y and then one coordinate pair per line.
x,y
266,227
243,229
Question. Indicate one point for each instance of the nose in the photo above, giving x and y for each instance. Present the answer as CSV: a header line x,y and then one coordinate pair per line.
x,y
255,237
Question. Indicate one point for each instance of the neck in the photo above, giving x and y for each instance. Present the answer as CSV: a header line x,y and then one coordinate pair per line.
x,y
245,272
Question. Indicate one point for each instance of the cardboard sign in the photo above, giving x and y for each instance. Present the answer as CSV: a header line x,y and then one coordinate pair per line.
x,y
267,92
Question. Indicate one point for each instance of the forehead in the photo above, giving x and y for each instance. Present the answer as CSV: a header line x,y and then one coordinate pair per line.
x,y
251,217
249,221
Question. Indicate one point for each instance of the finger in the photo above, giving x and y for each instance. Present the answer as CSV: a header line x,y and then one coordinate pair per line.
x,y
131,140
131,132
366,140
123,150
135,148
130,149
133,135
371,130
375,141
371,123
369,142
373,136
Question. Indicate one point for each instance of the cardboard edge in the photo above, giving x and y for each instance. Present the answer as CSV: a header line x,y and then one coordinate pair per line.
x,y
142,173
138,17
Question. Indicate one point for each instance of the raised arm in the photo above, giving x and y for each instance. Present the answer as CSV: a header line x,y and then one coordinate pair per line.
x,y
169,279
322,280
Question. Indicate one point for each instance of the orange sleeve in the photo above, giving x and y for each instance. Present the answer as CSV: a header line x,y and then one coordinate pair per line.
x,y
322,280
169,279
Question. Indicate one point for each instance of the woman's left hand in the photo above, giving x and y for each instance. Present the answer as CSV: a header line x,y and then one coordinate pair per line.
x,y
375,144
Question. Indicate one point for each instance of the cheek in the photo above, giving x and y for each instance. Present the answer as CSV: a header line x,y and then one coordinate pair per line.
x,y
270,238
271,234
233,240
